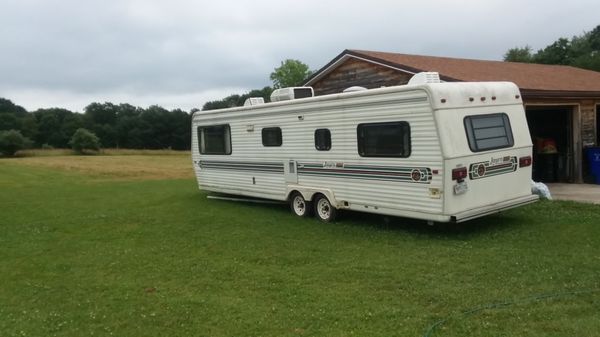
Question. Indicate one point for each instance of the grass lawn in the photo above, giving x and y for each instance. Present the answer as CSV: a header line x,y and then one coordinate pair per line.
x,y
128,246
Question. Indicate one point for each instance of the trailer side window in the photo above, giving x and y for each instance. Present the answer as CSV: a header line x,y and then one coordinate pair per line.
x,y
214,139
384,139
488,132
322,139
271,136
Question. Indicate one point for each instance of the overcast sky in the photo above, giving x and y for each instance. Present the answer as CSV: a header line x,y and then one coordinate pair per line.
x,y
181,53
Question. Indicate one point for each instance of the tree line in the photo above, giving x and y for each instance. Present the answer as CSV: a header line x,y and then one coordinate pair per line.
x,y
116,126
582,51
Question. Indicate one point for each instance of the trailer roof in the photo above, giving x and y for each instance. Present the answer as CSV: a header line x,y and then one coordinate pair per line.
x,y
442,96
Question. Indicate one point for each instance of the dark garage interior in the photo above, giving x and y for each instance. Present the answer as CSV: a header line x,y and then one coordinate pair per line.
x,y
550,128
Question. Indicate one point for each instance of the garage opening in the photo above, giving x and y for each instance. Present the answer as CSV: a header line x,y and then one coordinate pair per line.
x,y
551,133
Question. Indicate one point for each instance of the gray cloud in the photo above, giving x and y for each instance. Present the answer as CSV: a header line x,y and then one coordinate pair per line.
x,y
181,53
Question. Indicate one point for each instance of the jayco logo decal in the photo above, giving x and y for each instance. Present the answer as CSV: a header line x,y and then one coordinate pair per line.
x,y
493,167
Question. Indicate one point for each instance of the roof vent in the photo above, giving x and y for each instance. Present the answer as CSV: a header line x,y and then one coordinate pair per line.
x,y
355,89
424,78
251,101
286,94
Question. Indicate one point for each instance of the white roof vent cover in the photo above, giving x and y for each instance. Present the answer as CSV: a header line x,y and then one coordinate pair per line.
x,y
355,89
424,78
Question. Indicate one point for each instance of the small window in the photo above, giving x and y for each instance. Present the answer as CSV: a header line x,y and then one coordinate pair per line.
x,y
271,136
488,132
322,139
214,139
384,139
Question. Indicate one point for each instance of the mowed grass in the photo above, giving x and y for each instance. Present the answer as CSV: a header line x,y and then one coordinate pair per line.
x,y
87,252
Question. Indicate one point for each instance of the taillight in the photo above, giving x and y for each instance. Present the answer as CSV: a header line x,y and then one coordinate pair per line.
x,y
459,173
525,161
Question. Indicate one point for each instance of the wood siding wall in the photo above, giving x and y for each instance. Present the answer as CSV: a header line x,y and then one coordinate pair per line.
x,y
588,122
359,73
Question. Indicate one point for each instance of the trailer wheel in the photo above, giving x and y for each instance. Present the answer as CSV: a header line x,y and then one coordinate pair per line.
x,y
300,206
324,210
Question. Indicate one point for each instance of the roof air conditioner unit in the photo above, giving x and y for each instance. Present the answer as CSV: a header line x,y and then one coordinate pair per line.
x,y
251,101
424,78
286,94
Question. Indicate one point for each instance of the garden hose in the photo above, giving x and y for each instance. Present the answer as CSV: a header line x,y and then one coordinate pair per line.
x,y
497,305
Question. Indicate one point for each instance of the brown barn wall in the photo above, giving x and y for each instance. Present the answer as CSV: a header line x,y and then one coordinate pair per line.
x,y
588,122
355,72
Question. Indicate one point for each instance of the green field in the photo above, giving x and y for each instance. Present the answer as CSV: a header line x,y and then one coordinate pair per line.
x,y
89,249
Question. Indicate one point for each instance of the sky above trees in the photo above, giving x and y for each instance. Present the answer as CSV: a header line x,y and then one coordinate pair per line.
x,y
182,53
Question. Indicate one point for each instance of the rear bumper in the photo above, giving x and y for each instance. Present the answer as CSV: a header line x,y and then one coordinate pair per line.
x,y
494,208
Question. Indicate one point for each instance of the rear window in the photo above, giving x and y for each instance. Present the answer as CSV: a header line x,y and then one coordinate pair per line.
x,y
488,132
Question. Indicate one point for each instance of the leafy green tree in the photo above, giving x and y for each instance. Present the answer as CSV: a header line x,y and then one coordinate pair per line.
x,y
581,51
28,126
519,54
84,141
55,125
101,119
12,141
8,121
558,52
290,73
7,106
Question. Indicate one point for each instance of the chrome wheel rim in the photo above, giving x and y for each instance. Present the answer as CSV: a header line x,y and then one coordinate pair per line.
x,y
324,209
299,205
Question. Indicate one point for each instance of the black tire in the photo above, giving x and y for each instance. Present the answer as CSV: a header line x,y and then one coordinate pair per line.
x,y
324,210
300,206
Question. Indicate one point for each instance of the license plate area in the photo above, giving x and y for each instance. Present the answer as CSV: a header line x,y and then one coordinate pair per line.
x,y
461,188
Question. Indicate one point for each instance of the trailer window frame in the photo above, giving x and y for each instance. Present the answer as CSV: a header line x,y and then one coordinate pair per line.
x,y
226,140
322,139
271,136
490,133
372,142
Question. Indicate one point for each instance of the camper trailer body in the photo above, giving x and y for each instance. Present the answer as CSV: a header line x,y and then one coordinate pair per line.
x,y
443,152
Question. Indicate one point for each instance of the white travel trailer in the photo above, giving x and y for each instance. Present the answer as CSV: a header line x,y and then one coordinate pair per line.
x,y
441,152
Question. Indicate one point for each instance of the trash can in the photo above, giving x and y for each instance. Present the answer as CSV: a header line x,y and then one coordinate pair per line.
x,y
593,156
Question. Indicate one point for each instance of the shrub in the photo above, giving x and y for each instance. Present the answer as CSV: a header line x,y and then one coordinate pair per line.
x,y
84,140
12,141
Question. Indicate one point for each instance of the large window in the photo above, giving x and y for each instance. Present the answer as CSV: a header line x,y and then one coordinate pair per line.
x,y
214,139
322,139
390,139
271,136
488,132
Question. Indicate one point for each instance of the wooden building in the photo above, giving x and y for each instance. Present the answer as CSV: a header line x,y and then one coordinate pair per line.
x,y
562,103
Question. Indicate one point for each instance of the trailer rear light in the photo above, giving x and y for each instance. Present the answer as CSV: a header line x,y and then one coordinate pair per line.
x,y
459,173
525,161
